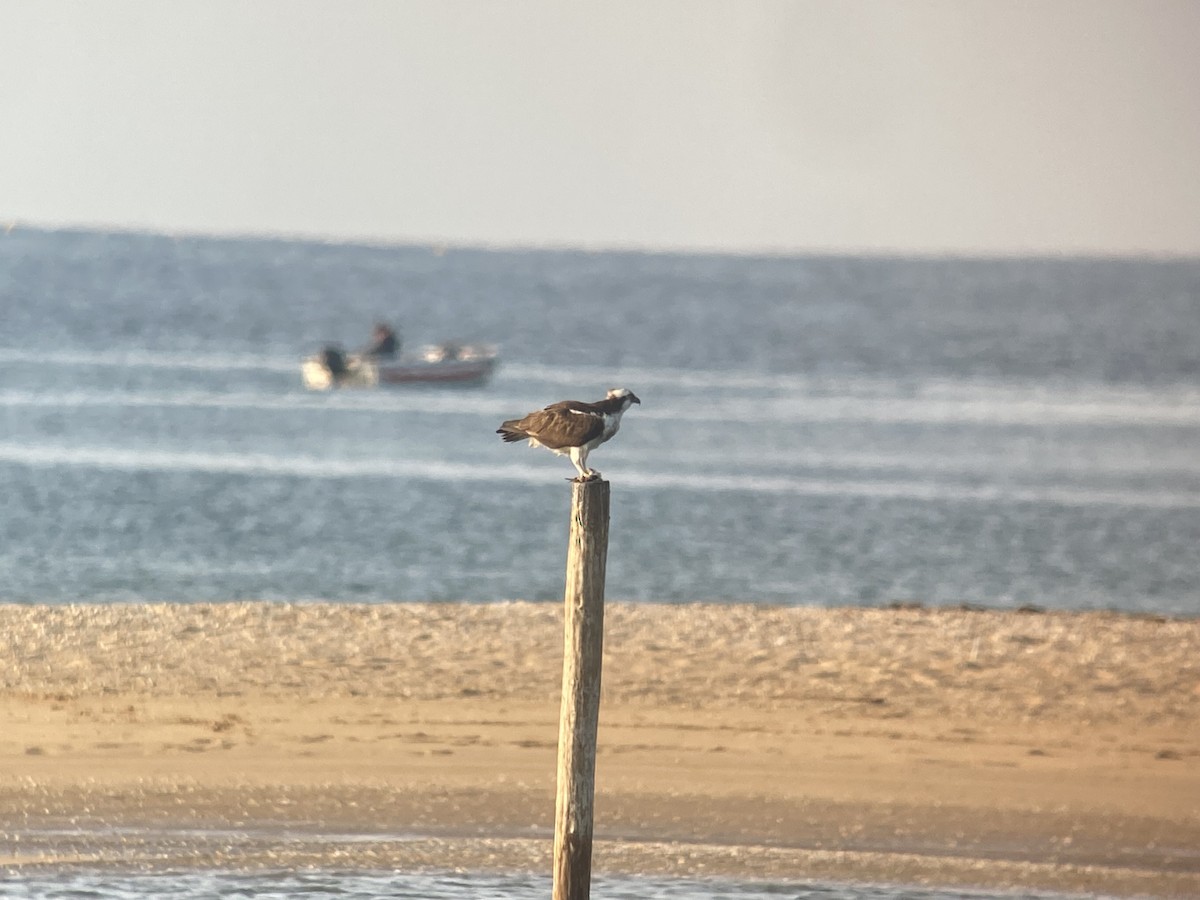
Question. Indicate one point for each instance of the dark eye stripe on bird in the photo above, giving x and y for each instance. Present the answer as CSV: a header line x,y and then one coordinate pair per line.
x,y
572,428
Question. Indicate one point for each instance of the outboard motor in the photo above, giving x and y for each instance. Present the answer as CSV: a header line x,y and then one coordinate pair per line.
x,y
333,358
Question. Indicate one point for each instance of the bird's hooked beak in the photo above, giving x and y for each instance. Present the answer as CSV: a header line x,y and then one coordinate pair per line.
x,y
624,394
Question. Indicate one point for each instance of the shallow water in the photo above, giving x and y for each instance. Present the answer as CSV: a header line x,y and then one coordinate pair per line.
x,y
398,886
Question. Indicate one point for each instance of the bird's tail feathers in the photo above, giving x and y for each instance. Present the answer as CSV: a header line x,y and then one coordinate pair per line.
x,y
509,432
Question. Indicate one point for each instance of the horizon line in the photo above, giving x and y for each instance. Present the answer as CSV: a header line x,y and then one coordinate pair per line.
x,y
439,245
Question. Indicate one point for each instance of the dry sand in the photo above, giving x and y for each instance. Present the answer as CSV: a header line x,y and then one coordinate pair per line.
x,y
946,747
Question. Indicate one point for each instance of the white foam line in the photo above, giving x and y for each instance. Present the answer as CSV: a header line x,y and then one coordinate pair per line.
x,y
850,386
900,411
435,470
602,378
1007,459
915,490
155,360
794,410
598,378
639,378
249,463
347,401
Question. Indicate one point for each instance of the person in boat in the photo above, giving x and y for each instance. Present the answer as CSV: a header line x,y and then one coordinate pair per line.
x,y
333,358
384,342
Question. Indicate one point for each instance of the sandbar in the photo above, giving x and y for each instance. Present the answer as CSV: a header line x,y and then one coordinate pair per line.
x,y
1022,750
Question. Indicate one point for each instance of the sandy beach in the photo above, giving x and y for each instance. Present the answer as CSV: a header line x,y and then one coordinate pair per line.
x,y
943,747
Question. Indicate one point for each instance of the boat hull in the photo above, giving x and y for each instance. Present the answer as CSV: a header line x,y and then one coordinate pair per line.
x,y
468,370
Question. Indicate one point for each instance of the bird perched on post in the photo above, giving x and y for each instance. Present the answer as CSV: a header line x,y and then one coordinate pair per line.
x,y
572,428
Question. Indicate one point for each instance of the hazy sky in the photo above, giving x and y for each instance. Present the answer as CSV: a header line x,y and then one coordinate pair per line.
x,y
1002,126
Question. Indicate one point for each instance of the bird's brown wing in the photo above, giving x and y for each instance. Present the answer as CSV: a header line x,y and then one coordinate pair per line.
x,y
566,424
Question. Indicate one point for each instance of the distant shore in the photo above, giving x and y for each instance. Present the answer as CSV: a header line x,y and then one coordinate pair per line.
x,y
1056,751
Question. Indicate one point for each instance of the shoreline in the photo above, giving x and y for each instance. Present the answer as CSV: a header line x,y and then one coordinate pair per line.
x,y
930,746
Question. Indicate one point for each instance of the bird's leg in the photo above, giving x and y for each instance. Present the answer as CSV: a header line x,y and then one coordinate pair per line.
x,y
579,459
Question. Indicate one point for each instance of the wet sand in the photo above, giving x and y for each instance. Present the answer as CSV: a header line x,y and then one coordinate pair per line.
x,y
941,747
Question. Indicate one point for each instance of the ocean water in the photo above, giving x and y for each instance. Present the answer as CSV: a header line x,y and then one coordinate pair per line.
x,y
813,431
320,885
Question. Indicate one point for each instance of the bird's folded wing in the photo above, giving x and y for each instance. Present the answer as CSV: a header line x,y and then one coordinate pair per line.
x,y
565,425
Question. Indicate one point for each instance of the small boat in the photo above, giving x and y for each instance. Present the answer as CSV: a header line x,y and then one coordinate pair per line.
x,y
459,365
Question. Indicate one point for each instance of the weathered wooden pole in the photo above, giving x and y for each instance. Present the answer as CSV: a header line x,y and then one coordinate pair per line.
x,y
583,649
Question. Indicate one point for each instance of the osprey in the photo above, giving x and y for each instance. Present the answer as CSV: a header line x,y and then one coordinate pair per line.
x,y
572,428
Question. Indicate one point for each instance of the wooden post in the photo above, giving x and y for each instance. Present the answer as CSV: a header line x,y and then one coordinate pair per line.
x,y
583,649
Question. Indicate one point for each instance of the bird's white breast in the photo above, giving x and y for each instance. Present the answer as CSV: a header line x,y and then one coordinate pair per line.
x,y
612,423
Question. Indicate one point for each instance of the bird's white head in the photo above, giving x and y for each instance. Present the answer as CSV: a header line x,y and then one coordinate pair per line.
x,y
626,396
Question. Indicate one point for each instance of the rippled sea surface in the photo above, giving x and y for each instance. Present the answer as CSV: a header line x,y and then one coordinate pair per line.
x,y
817,431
